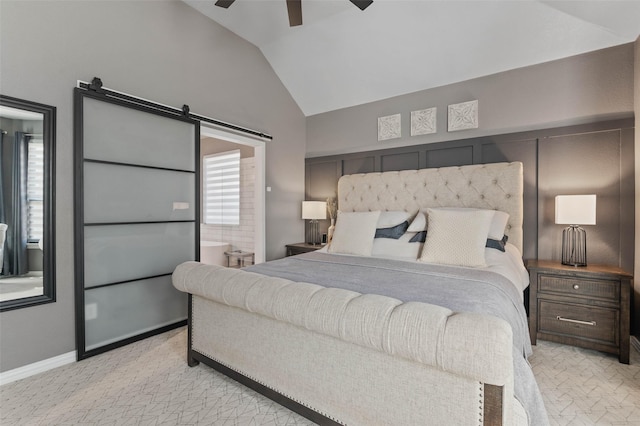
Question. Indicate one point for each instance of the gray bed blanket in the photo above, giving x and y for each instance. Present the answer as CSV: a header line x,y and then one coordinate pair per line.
x,y
459,289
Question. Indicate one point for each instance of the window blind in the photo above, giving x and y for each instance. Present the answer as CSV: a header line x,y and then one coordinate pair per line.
x,y
35,189
221,197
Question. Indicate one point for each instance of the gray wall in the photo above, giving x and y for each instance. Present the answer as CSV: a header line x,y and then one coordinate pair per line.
x,y
576,90
160,50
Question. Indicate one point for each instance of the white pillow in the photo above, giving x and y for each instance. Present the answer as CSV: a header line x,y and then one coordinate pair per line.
x,y
457,237
498,225
401,248
354,233
498,221
392,218
418,224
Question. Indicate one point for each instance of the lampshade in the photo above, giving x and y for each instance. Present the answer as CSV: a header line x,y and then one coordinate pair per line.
x,y
314,210
576,209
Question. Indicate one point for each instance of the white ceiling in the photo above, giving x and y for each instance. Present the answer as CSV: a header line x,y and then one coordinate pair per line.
x,y
341,56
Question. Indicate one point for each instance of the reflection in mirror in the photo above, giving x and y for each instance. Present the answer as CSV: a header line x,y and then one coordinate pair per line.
x,y
26,202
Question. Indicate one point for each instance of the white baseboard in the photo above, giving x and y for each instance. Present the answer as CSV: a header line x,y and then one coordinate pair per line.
x,y
37,367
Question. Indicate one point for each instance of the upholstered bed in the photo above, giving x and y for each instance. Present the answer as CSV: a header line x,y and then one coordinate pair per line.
x,y
413,315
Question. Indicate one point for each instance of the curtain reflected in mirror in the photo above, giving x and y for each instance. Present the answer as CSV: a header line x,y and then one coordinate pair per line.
x,y
26,153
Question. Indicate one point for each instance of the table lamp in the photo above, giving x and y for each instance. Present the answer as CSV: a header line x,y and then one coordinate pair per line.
x,y
314,210
575,210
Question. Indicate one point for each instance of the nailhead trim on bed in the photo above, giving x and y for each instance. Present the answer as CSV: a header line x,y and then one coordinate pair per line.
x,y
481,407
255,379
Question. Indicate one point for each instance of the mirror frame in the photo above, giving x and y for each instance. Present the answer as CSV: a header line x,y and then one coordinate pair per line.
x,y
48,138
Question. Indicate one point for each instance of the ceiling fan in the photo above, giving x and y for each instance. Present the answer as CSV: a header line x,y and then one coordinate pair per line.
x,y
294,7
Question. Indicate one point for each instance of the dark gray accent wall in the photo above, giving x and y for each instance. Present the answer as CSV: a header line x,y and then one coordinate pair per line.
x,y
587,159
588,163
164,51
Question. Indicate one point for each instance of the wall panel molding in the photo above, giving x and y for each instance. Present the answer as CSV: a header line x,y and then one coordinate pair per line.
x,y
550,157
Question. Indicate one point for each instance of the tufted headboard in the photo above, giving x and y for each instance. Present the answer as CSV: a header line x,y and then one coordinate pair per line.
x,y
497,186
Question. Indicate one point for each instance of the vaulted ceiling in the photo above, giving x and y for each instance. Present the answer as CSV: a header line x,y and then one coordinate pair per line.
x,y
342,56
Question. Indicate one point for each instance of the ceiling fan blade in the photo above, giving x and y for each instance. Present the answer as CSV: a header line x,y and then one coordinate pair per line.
x,y
362,4
294,7
224,3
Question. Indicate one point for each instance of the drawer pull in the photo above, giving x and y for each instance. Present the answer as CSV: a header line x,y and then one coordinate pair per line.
x,y
576,286
559,318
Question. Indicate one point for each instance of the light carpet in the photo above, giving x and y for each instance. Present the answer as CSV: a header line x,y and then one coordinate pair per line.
x,y
149,383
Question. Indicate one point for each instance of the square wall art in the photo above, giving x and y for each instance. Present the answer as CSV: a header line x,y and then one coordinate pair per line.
x,y
463,116
423,122
389,127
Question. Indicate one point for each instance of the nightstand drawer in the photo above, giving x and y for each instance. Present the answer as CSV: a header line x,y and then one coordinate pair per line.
x,y
575,286
300,248
293,251
587,322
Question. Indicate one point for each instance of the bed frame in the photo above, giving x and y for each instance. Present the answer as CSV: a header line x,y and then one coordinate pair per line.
x,y
497,186
243,328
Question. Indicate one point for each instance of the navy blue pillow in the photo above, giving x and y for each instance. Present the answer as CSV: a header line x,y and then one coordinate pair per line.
x,y
394,232
421,236
497,244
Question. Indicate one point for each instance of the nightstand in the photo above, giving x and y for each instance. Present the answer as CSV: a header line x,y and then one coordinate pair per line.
x,y
299,248
587,306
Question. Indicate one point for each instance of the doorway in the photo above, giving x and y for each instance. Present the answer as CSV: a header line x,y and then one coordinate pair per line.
x,y
247,231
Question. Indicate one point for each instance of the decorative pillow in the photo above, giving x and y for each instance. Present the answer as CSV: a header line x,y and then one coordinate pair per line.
x,y
394,232
419,223
498,221
389,219
498,225
399,249
457,237
497,244
420,237
354,233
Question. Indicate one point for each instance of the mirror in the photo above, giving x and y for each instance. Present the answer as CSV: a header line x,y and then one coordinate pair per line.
x,y
27,147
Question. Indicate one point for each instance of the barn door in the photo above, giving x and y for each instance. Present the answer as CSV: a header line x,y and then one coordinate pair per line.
x,y
136,217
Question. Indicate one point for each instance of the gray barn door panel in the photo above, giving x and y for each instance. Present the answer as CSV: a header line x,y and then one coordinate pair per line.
x,y
136,218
